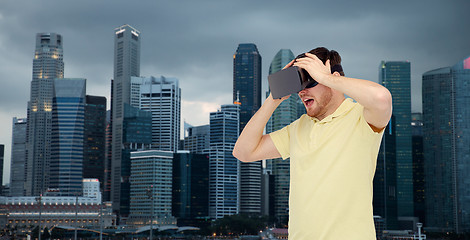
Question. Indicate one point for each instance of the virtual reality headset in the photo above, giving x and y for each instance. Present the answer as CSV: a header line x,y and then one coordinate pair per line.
x,y
293,80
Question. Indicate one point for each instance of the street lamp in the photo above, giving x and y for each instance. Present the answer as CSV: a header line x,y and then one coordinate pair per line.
x,y
419,225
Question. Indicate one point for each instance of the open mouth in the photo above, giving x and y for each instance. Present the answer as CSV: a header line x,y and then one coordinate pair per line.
x,y
308,102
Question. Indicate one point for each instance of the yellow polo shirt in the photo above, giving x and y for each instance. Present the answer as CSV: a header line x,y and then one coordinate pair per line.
x,y
332,166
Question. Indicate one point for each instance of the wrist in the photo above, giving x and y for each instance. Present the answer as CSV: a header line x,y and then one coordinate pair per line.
x,y
270,102
327,79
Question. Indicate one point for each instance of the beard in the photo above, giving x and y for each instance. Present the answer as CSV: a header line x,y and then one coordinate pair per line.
x,y
320,105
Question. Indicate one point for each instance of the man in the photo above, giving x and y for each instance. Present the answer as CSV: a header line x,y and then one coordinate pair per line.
x,y
333,150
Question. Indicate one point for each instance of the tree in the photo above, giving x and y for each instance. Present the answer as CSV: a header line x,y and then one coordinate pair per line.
x,y
240,224
45,234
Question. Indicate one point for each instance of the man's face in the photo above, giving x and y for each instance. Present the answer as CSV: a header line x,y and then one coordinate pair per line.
x,y
316,100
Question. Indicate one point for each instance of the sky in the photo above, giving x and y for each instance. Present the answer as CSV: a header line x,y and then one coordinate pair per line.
x,y
194,41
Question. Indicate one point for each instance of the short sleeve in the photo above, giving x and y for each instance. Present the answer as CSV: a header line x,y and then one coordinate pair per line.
x,y
365,125
281,139
372,137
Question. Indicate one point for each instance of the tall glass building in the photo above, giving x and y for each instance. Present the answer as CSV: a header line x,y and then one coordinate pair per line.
x,y
385,179
126,64
94,149
136,136
446,130
247,91
68,124
224,178
190,186
290,109
197,140
151,184
162,97
247,80
418,167
287,112
48,64
395,76
18,157
108,158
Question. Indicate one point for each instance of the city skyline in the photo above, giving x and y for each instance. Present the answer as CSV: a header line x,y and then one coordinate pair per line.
x,y
180,38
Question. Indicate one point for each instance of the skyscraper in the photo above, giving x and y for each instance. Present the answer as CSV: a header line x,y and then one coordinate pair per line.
x,y
162,97
48,65
247,91
395,76
247,80
68,125
126,64
136,136
94,138
224,178
151,187
385,179
190,186
108,156
446,130
418,167
197,140
18,157
287,112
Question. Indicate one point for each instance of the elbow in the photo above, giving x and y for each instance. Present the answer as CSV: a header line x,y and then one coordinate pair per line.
x,y
240,155
383,100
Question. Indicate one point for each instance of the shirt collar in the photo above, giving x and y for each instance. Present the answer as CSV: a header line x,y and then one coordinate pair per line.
x,y
345,107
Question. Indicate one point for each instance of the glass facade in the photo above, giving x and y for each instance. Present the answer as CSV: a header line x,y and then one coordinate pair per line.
x,y
126,64
446,130
18,157
224,178
287,112
395,76
162,97
385,179
247,91
48,64
197,140
151,185
190,186
95,138
68,121
247,81
418,166
137,135
290,109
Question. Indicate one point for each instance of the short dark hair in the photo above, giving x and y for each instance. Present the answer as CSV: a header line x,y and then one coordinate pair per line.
x,y
324,54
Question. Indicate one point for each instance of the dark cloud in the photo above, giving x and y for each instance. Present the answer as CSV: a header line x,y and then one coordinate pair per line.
x,y
194,41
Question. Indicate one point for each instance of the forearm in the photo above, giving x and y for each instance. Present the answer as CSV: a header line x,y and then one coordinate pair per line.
x,y
248,146
369,94
376,99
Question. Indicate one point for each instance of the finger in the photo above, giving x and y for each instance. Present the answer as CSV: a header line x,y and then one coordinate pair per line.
x,y
285,97
327,63
298,64
289,64
312,56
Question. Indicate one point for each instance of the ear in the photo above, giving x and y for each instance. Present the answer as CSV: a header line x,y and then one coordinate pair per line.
x,y
336,74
